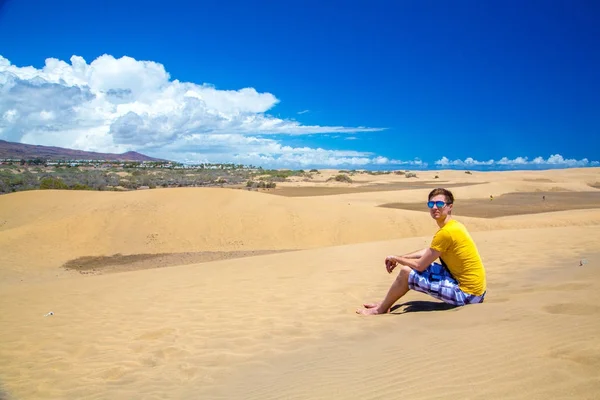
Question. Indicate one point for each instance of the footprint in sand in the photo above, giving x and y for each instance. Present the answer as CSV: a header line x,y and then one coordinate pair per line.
x,y
170,353
113,373
187,371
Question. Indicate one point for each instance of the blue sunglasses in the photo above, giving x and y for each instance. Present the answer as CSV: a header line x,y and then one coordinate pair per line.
x,y
438,204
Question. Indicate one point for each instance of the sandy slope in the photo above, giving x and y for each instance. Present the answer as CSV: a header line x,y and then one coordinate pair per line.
x,y
226,328
44,230
283,325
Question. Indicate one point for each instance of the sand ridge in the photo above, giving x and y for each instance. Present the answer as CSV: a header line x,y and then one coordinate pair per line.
x,y
282,325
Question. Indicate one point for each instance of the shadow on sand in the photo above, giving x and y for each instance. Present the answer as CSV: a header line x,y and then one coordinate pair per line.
x,y
420,306
4,394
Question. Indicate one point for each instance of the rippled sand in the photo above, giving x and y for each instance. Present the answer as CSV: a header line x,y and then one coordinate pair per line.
x,y
223,293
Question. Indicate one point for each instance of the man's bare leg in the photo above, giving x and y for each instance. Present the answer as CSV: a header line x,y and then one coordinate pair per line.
x,y
397,290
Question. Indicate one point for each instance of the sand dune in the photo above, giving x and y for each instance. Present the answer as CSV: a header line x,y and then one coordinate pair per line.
x,y
57,226
282,325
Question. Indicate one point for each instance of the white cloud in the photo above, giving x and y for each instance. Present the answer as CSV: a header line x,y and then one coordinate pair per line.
x,y
117,105
445,162
555,160
242,149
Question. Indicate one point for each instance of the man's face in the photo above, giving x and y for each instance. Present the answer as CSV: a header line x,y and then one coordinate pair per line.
x,y
436,212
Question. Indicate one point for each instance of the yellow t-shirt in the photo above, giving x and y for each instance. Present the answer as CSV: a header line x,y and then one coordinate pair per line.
x,y
461,257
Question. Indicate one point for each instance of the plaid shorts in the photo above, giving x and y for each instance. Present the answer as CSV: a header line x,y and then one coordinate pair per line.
x,y
438,282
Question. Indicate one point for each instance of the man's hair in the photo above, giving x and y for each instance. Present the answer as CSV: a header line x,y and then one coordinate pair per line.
x,y
448,194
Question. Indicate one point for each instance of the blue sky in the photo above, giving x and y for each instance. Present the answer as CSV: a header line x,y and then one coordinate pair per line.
x,y
348,84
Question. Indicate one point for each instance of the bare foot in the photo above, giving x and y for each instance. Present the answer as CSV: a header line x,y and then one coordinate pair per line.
x,y
368,311
372,305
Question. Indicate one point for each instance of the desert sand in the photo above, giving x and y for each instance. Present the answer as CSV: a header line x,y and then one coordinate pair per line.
x,y
218,293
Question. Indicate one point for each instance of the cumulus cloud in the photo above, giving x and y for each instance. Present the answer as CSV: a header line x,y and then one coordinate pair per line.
x,y
554,161
248,150
121,104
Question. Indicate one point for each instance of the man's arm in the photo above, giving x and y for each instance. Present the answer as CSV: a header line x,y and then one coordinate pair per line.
x,y
418,264
391,261
416,254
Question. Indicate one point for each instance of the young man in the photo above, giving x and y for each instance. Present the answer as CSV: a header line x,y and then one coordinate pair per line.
x,y
458,279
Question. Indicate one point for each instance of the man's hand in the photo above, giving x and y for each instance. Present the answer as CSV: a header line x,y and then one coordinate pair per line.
x,y
390,263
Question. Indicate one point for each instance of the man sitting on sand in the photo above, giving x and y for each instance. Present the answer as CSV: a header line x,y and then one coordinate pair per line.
x,y
458,279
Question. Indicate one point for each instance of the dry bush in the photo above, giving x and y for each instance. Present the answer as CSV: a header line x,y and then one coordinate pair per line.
x,y
341,178
261,185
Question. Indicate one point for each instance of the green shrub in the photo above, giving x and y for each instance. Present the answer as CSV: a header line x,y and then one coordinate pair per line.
x,y
281,175
379,172
410,175
79,186
52,183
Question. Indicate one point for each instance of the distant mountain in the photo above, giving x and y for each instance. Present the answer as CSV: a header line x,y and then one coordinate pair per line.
x,y
29,151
